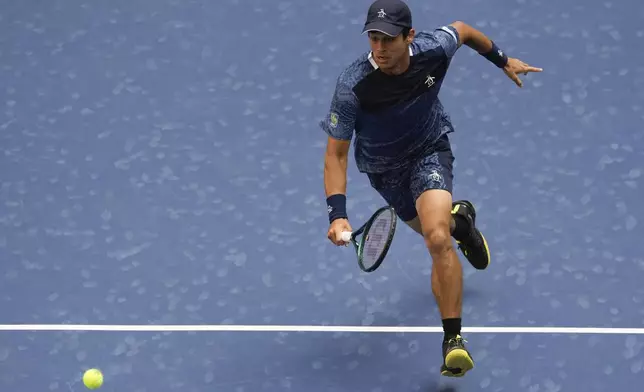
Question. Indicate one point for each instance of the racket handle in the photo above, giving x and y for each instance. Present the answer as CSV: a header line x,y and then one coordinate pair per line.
x,y
346,236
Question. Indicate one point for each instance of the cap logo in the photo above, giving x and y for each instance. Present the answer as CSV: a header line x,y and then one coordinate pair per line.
x,y
381,13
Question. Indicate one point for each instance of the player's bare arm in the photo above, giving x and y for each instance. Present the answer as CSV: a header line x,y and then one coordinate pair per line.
x,y
335,182
335,166
478,41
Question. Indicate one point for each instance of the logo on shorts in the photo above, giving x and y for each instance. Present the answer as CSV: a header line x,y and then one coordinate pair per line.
x,y
333,120
435,176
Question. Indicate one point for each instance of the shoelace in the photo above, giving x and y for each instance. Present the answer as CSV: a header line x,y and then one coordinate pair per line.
x,y
456,340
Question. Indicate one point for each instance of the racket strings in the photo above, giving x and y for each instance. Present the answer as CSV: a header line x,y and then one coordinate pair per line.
x,y
376,239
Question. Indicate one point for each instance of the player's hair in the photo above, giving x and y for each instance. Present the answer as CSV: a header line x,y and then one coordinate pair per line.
x,y
405,32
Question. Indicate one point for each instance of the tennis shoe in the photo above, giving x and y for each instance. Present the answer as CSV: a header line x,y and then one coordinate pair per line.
x,y
456,359
473,246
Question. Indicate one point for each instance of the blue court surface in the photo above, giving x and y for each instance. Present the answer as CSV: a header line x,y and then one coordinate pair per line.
x,y
162,166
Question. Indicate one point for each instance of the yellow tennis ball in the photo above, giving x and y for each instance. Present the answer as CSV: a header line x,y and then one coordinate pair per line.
x,y
93,379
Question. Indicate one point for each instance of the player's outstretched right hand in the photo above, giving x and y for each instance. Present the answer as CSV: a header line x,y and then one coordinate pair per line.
x,y
335,231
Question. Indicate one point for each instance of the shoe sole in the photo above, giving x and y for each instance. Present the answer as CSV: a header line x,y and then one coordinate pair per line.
x,y
487,250
458,359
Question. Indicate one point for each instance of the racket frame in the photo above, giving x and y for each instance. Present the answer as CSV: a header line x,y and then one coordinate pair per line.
x,y
359,245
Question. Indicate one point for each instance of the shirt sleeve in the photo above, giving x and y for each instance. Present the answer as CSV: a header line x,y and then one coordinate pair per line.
x,y
445,37
339,122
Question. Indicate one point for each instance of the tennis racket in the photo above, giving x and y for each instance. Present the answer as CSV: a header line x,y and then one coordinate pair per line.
x,y
372,241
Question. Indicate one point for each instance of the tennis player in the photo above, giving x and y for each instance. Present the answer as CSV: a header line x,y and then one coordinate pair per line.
x,y
389,98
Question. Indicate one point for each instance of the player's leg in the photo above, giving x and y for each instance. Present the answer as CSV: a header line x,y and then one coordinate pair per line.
x,y
395,189
434,206
463,229
431,186
434,211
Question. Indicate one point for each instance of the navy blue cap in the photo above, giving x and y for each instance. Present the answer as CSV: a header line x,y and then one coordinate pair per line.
x,y
388,16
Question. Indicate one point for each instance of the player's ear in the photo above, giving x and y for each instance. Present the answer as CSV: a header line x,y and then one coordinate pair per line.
x,y
410,36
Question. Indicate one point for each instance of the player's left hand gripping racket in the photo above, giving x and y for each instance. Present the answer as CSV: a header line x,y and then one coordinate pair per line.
x,y
373,239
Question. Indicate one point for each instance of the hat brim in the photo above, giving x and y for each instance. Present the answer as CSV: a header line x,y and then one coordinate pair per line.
x,y
383,27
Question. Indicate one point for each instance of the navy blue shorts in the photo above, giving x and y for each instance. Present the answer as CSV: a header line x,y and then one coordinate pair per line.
x,y
400,188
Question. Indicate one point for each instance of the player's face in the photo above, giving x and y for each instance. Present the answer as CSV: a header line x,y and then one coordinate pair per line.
x,y
390,53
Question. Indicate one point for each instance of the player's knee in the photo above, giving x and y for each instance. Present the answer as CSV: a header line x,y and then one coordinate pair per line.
x,y
438,240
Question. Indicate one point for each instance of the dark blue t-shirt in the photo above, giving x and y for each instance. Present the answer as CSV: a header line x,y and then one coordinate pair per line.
x,y
396,118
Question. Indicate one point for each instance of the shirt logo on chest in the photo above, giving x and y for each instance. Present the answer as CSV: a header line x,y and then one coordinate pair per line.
x,y
430,81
